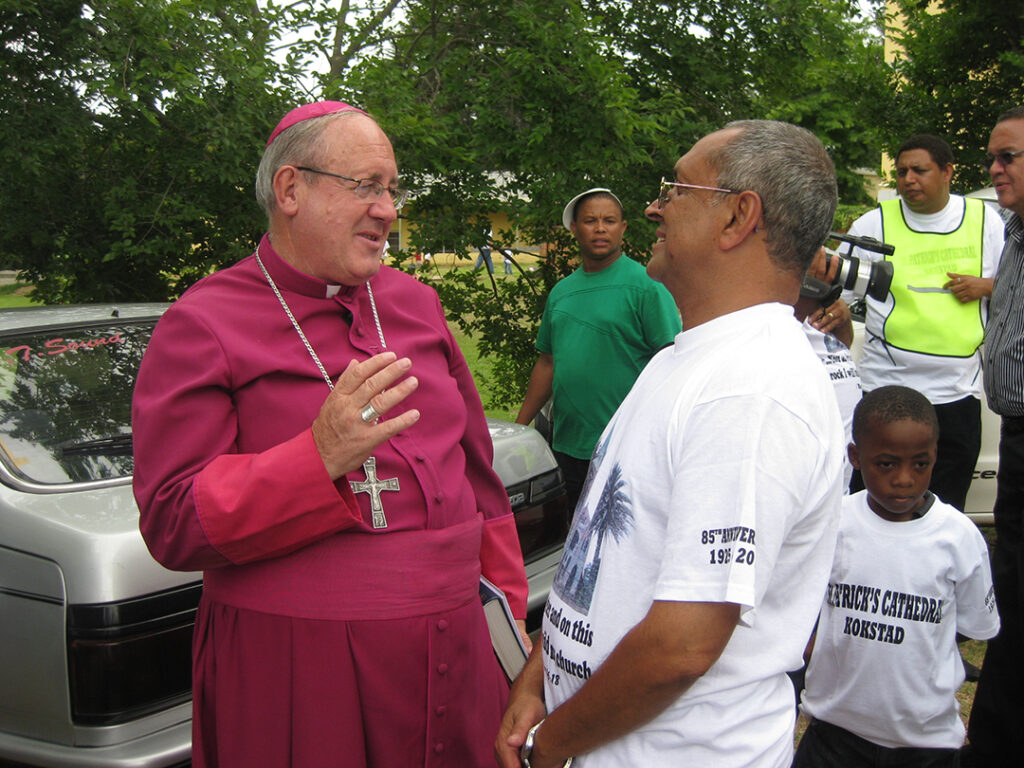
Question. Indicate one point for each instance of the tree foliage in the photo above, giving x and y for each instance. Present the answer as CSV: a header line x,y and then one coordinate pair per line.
x,y
129,130
519,106
816,64
961,65
132,128
497,106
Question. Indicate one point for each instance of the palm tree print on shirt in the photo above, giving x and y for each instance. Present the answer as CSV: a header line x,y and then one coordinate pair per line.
x,y
581,560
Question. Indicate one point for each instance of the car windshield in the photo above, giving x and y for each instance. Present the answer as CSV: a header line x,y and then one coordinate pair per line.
x,y
65,400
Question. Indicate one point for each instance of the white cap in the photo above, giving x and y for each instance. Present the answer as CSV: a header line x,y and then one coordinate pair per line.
x,y
569,214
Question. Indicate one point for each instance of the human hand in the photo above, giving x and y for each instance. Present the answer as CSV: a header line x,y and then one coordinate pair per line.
x,y
823,266
514,726
344,439
829,319
968,287
525,709
521,626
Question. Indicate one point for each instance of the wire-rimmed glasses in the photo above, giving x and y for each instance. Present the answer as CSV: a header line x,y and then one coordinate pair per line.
x,y
366,188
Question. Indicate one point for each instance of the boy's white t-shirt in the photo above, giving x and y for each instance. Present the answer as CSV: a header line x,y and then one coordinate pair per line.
x,y
717,480
885,664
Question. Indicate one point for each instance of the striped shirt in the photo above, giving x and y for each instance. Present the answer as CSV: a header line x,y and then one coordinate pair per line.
x,y
1004,335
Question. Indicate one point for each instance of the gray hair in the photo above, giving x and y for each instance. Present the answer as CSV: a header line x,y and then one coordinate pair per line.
x,y
1014,113
791,171
300,145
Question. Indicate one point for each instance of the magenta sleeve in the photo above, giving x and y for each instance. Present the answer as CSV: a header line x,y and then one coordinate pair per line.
x,y
501,561
202,503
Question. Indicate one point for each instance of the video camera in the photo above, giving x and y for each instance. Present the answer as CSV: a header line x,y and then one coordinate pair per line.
x,y
864,278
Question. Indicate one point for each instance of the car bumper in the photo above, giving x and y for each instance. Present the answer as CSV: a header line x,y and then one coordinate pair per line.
x,y
167,748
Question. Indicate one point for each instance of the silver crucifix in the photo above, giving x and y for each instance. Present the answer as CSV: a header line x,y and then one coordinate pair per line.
x,y
373,487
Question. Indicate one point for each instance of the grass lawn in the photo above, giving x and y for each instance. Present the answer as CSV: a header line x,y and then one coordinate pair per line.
x,y
479,365
14,295
467,344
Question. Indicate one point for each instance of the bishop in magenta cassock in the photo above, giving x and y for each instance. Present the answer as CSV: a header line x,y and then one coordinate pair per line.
x,y
307,433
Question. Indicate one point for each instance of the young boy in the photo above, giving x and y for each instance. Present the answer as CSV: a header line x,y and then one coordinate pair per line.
x,y
909,573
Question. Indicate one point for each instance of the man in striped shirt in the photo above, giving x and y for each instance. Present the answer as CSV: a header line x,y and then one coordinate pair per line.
x,y
995,729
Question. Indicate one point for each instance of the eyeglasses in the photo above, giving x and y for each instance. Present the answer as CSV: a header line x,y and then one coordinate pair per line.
x,y
367,188
666,189
1003,158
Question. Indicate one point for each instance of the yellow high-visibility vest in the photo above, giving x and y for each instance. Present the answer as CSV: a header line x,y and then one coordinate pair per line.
x,y
925,318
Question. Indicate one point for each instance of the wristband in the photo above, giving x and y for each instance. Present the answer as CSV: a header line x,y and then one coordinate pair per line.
x,y
526,751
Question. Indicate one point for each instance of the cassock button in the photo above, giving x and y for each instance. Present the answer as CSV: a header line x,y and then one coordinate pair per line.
x,y
438,748
442,625
439,498
442,669
441,710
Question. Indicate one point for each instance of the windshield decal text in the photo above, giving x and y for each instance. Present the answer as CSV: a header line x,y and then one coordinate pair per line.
x,y
59,346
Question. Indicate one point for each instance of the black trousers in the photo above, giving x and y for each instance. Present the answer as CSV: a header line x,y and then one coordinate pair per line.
x,y
824,745
996,729
959,446
574,473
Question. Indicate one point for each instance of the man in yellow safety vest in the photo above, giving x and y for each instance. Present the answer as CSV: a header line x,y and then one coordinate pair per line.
x,y
927,333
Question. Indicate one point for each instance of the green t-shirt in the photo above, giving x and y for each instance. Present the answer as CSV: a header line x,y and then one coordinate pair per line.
x,y
601,328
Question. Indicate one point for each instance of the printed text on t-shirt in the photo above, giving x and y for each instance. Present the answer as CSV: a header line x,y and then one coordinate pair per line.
x,y
889,603
579,631
726,538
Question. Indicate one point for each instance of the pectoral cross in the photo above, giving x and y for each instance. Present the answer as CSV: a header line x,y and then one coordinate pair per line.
x,y
374,487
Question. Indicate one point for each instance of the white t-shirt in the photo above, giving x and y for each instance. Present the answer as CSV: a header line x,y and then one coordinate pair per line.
x,y
717,480
885,664
842,372
940,379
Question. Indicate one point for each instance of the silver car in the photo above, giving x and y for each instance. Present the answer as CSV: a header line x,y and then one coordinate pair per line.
x,y
95,636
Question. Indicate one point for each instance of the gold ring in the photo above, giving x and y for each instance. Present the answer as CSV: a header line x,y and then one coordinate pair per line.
x,y
830,316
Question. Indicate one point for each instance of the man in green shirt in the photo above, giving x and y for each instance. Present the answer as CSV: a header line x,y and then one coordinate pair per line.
x,y
600,326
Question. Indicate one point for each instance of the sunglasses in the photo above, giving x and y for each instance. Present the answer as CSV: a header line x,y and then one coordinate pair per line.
x,y
1003,158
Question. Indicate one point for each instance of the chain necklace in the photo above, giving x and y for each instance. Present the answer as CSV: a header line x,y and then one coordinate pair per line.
x,y
298,328
372,486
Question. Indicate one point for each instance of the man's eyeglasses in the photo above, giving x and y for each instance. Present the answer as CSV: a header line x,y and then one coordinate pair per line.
x,y
367,188
1003,158
666,193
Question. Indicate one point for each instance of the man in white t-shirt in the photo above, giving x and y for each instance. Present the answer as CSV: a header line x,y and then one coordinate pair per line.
x,y
927,333
703,539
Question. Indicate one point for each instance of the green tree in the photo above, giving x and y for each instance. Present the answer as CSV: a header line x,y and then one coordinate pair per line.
x,y
518,106
131,128
513,107
124,126
815,63
961,65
